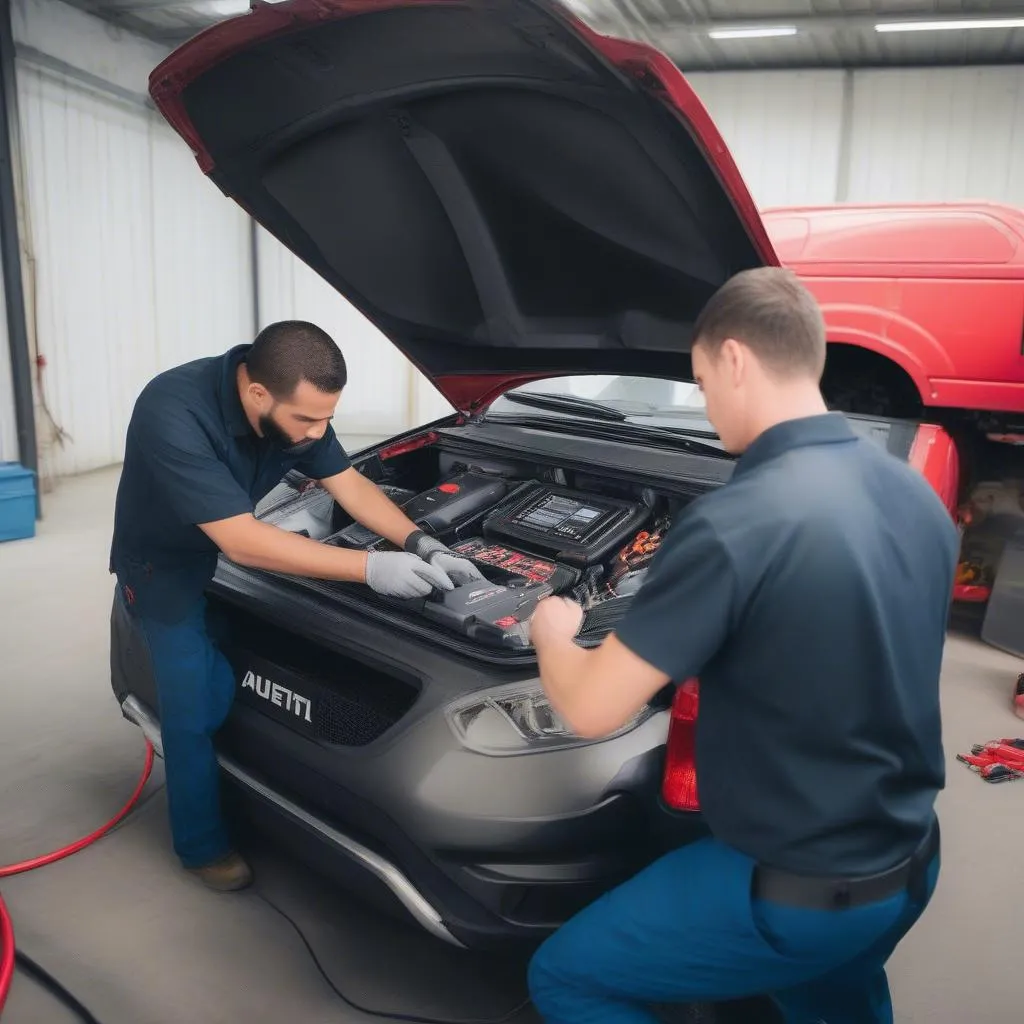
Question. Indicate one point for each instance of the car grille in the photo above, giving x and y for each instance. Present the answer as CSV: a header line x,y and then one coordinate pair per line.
x,y
347,722
322,694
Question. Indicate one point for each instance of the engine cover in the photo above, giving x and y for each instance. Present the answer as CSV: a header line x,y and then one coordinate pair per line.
x,y
442,508
573,527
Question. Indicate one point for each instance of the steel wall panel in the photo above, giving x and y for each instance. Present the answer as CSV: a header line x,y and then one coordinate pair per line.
x,y
8,426
80,39
138,263
202,270
939,134
783,129
386,393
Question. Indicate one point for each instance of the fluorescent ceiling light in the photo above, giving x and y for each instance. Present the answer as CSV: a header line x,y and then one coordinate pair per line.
x,y
948,26
228,7
765,32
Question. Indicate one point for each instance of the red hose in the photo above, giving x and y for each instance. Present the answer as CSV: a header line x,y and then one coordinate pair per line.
x,y
6,928
6,953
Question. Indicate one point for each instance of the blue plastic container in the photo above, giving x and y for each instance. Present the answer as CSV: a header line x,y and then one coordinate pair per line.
x,y
17,502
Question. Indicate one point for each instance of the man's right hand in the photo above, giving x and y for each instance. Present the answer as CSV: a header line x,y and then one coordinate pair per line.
x,y
403,575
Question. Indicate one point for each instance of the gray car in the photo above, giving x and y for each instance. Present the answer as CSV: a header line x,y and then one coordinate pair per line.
x,y
534,215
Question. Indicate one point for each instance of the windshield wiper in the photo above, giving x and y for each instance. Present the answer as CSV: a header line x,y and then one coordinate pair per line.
x,y
689,431
677,438
624,431
566,403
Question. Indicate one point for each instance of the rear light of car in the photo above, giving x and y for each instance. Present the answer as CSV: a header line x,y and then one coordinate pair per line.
x,y
679,783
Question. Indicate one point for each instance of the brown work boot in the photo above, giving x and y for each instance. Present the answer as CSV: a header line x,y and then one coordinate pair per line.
x,y
229,874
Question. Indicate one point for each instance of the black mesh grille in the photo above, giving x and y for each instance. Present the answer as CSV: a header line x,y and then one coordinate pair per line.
x,y
348,722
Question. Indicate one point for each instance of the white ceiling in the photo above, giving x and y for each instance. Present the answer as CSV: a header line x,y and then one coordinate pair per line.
x,y
830,33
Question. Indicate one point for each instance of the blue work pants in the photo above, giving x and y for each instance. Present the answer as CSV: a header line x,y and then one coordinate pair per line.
x,y
196,687
688,930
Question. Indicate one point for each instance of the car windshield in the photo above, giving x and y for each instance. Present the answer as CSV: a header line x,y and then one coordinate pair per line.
x,y
651,401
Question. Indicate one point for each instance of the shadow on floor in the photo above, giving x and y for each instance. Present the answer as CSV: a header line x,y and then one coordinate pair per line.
x,y
357,949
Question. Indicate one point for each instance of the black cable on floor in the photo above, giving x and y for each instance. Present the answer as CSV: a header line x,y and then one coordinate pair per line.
x,y
47,981
44,978
407,1018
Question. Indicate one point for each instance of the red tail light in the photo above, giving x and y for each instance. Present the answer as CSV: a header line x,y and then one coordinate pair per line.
x,y
679,784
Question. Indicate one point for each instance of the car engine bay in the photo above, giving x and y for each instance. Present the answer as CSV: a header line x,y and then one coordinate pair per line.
x,y
533,530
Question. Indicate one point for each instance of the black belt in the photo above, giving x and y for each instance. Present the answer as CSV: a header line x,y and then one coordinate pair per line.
x,y
817,893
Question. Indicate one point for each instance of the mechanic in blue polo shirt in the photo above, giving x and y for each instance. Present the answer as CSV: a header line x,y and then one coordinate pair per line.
x,y
810,596
205,443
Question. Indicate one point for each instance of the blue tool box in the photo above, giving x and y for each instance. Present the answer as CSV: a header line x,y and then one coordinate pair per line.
x,y
17,502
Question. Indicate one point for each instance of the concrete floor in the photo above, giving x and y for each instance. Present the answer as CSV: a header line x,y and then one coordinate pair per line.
x,y
140,943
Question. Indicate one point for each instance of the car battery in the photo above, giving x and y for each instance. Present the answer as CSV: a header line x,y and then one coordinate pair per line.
x,y
452,502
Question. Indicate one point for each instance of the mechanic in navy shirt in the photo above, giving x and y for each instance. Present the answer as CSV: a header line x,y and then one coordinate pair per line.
x,y
206,442
810,596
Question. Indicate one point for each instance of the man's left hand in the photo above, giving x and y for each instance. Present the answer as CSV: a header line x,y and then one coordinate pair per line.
x,y
459,570
555,619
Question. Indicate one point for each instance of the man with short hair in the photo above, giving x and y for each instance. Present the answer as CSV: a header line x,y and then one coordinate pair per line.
x,y
810,596
206,442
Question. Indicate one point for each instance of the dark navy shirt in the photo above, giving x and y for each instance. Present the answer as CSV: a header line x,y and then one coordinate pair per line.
x,y
191,457
810,596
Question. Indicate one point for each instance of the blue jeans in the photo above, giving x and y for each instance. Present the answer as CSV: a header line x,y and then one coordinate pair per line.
x,y
196,687
688,930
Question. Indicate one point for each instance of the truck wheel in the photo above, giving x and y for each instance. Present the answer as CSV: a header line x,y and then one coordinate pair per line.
x,y
862,382
861,396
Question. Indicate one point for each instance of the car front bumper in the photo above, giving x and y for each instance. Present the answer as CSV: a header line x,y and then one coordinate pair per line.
x,y
480,850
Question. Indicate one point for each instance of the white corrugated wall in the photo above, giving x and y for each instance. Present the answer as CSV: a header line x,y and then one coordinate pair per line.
x,y
136,262
938,134
133,261
386,393
783,130
899,135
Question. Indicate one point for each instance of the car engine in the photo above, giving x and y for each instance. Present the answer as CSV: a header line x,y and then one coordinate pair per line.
x,y
531,538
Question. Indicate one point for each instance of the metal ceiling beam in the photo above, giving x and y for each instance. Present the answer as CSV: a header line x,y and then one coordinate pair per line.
x,y
43,61
625,18
101,8
629,15
671,34
130,23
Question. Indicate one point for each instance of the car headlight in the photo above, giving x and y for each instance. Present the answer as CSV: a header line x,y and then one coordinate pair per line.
x,y
518,721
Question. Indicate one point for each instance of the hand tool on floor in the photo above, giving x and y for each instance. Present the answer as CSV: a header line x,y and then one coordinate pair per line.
x,y
999,760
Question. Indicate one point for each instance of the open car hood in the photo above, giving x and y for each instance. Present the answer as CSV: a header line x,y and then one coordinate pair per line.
x,y
506,194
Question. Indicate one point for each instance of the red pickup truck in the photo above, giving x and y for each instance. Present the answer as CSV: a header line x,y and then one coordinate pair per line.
x,y
924,305
925,312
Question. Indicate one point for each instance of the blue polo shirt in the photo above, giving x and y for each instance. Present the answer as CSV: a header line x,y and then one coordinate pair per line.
x,y
810,595
191,457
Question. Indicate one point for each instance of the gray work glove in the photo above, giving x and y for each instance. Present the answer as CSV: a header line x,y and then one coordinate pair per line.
x,y
430,549
403,575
